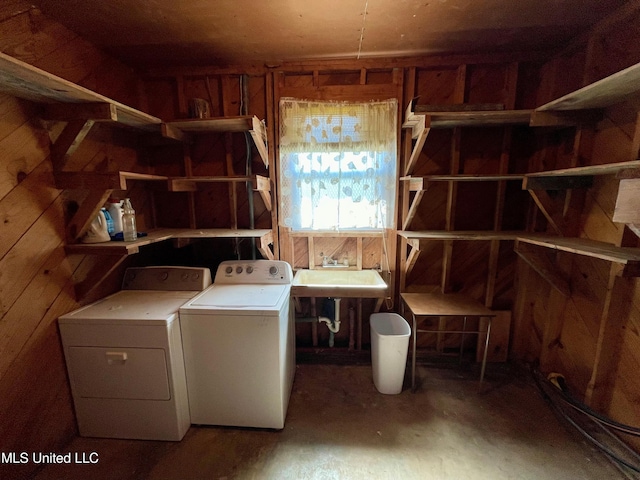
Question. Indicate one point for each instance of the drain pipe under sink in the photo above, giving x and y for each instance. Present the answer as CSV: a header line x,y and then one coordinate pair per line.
x,y
332,325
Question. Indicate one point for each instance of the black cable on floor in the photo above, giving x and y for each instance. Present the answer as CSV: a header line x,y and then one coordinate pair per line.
x,y
607,451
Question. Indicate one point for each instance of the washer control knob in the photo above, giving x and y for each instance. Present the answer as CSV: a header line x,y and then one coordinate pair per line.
x,y
273,270
249,269
238,270
228,270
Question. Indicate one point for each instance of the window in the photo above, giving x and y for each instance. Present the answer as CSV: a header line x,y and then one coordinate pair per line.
x,y
337,165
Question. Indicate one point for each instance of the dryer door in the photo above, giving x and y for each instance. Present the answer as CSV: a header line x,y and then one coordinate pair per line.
x,y
124,373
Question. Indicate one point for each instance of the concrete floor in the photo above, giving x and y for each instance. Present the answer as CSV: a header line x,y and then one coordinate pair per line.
x,y
340,427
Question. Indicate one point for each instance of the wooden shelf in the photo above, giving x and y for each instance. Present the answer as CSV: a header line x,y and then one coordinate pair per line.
x,y
601,94
605,169
217,124
461,178
459,235
26,81
161,235
120,248
246,123
102,181
586,247
579,246
478,119
419,117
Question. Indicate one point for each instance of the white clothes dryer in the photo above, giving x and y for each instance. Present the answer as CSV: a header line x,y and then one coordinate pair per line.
x,y
124,356
239,346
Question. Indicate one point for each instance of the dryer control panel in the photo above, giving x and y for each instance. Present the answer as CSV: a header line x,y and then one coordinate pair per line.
x,y
253,271
167,278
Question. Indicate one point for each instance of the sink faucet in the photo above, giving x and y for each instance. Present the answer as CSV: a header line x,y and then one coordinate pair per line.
x,y
327,261
331,262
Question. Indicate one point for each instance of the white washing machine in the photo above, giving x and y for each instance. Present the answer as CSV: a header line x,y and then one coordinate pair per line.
x,y
124,356
239,346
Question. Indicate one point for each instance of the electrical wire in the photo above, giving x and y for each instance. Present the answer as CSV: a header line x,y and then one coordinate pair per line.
x,y
604,448
567,397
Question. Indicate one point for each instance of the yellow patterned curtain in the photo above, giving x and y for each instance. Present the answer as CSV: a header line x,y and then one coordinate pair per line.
x,y
338,164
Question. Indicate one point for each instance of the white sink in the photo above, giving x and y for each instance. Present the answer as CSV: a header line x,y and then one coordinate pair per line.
x,y
338,283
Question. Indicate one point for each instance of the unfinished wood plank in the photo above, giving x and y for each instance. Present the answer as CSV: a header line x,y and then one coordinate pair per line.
x,y
259,134
601,94
479,119
17,209
548,209
564,118
627,208
87,212
102,181
562,182
230,124
417,150
458,107
266,241
613,321
311,253
584,246
413,209
31,83
413,255
68,141
461,235
452,196
190,184
604,169
36,245
96,111
463,177
544,267
263,186
98,274
272,115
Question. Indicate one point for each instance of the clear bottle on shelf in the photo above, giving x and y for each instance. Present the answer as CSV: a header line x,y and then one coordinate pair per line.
x,y
129,231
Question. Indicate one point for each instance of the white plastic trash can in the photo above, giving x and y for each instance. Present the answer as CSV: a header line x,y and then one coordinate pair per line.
x,y
389,346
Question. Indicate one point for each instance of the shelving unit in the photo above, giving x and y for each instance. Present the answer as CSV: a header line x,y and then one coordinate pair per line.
x,y
250,124
81,108
26,81
582,106
160,235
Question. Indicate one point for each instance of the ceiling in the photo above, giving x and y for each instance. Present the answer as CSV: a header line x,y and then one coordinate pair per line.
x,y
233,32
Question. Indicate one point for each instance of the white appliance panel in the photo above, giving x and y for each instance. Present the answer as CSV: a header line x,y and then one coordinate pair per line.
x,y
239,344
131,307
232,365
239,300
125,360
128,373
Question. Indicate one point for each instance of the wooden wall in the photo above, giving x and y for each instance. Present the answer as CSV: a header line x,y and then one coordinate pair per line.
x,y
591,337
36,277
